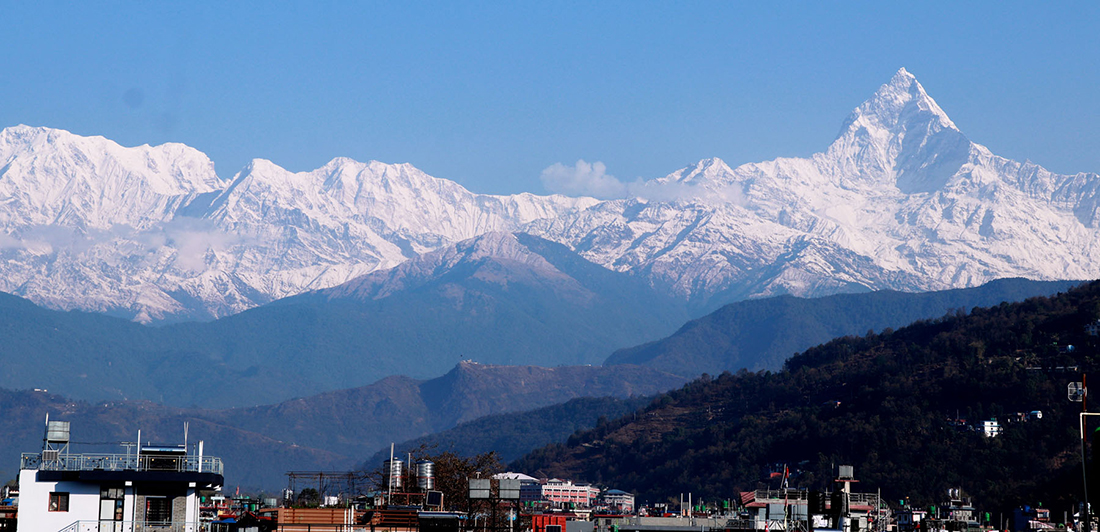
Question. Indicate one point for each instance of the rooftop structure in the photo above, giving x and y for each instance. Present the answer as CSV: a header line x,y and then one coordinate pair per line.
x,y
152,487
146,459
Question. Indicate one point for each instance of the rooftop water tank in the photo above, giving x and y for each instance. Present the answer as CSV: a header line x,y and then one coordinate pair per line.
x,y
425,474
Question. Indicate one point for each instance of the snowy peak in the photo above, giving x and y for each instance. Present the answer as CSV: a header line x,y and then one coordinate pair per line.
x,y
168,169
706,170
51,176
902,136
895,104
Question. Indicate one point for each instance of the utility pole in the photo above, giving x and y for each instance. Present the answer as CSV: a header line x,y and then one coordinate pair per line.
x,y
1084,471
1077,392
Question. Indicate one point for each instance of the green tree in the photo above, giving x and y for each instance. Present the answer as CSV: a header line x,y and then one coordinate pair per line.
x,y
309,498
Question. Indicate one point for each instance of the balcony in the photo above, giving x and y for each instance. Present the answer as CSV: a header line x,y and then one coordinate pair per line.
x,y
122,462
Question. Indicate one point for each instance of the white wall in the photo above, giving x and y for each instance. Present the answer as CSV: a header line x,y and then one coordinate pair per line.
x,y
192,504
34,500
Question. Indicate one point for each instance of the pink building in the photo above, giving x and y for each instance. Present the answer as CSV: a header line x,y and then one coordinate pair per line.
x,y
560,493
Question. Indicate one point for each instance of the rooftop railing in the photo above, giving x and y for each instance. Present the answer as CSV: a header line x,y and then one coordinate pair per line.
x,y
780,495
122,462
792,495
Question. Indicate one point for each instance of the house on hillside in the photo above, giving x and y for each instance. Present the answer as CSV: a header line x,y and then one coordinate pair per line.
x,y
149,487
1028,519
991,428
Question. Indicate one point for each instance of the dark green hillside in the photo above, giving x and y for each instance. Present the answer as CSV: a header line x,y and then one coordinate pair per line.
x,y
514,434
882,402
762,333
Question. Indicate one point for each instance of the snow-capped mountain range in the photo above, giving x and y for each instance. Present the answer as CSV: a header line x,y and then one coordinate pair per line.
x,y
901,199
152,233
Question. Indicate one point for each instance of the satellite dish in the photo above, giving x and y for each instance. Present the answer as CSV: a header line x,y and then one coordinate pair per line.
x,y
1075,392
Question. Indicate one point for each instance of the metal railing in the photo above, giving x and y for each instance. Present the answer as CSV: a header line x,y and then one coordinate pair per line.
x,y
132,526
865,499
122,462
790,495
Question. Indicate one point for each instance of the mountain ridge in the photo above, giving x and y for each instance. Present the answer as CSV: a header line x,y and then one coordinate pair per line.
x,y
761,334
335,430
543,306
901,199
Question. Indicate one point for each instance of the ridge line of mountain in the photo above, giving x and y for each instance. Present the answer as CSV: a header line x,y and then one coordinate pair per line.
x,y
901,199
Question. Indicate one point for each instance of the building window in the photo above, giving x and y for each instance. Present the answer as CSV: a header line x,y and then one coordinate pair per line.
x,y
158,510
111,493
59,501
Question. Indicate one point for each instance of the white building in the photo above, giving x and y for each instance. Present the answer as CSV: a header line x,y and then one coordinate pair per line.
x,y
148,487
561,493
619,500
991,428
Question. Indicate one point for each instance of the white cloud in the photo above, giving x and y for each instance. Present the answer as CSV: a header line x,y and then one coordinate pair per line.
x,y
188,240
584,179
193,238
9,242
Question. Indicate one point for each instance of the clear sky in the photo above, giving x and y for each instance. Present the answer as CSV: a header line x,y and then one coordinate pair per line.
x,y
490,94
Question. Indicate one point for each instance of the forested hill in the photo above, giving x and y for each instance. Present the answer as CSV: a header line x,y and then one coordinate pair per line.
x,y
887,403
762,333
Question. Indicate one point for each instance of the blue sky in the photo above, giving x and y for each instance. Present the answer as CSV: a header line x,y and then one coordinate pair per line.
x,y
491,93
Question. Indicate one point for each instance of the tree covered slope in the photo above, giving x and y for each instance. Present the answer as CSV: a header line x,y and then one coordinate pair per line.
x,y
887,403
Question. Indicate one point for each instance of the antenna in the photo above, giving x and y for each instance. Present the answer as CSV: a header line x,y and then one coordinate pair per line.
x,y
185,436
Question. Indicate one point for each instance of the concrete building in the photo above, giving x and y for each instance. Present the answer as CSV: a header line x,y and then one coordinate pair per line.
x,y
909,519
148,487
618,500
560,493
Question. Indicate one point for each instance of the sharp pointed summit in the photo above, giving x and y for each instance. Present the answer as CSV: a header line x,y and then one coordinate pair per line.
x,y
895,104
900,134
